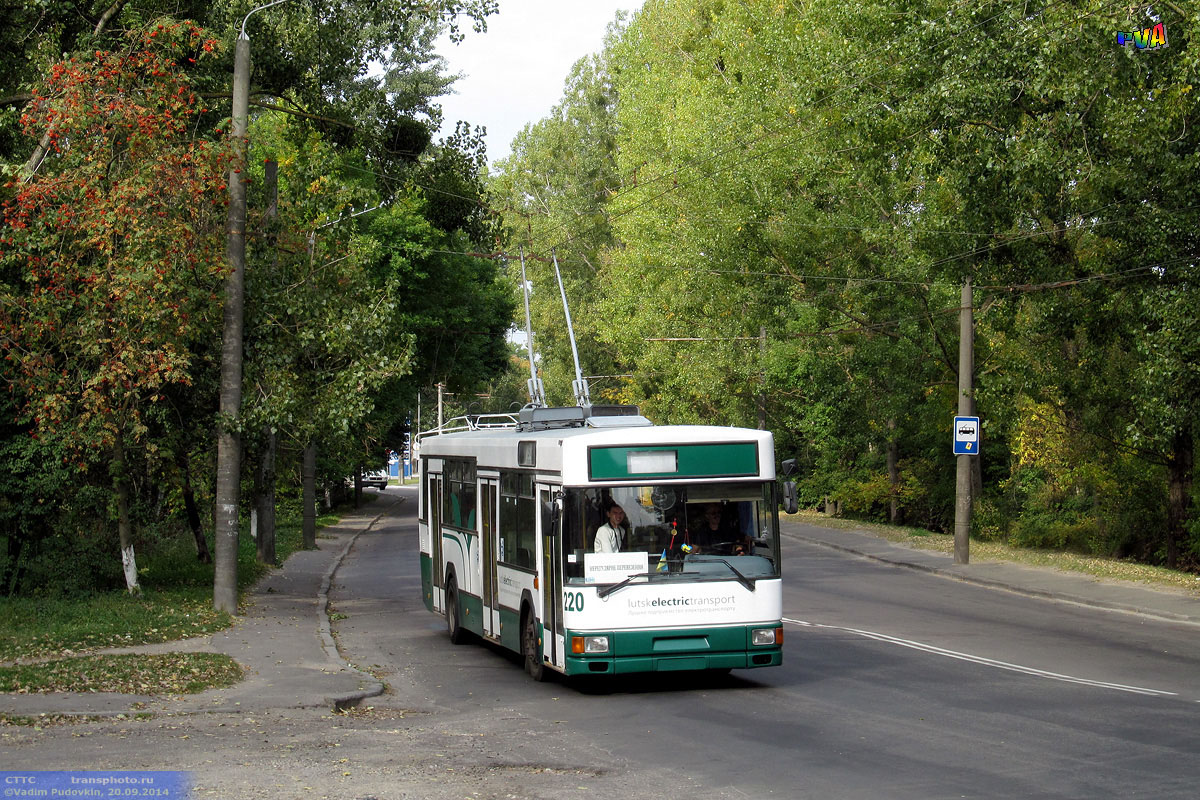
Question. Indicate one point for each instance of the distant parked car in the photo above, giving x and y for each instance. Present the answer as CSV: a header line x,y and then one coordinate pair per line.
x,y
375,477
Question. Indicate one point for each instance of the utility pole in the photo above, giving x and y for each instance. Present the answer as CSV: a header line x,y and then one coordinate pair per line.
x,y
762,377
229,444
440,388
962,488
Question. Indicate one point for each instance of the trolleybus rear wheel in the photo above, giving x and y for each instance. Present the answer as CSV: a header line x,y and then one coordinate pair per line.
x,y
457,634
530,648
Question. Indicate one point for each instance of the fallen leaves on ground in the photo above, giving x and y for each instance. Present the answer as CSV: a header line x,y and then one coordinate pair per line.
x,y
146,674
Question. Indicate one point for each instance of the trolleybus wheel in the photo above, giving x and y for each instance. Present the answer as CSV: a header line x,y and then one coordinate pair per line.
x,y
530,648
457,634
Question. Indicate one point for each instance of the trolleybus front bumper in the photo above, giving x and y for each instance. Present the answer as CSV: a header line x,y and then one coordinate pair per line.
x,y
666,650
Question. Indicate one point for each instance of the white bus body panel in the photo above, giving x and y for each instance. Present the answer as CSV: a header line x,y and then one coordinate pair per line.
x,y
674,605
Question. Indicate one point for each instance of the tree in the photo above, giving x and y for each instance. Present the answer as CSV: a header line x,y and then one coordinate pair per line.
x,y
825,176
113,248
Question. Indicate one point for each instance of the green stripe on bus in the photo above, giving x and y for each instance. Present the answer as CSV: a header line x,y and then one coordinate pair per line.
x,y
471,612
510,629
675,649
726,459
427,581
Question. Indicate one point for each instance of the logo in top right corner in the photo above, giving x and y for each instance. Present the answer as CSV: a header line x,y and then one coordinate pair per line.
x,y
1145,39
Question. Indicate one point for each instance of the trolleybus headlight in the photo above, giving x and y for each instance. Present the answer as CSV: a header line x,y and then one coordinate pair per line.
x,y
765,636
589,644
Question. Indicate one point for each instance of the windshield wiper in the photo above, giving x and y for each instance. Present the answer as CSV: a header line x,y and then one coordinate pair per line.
x,y
607,590
749,583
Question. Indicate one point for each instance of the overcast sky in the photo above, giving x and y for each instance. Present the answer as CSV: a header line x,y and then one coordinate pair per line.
x,y
514,73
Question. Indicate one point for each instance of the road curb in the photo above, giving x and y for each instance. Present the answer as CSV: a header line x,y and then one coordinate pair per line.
x,y
375,686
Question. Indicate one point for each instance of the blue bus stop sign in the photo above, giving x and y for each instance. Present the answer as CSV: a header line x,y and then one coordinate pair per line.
x,y
966,436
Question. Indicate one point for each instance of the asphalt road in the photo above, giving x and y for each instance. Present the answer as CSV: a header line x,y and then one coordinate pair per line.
x,y
895,684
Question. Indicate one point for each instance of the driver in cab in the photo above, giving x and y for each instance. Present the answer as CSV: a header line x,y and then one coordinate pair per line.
x,y
715,533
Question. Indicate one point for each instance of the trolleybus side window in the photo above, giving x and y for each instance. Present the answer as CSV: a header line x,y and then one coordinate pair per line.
x,y
458,494
518,522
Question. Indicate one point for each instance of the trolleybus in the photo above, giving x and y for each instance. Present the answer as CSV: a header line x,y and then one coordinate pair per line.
x,y
688,577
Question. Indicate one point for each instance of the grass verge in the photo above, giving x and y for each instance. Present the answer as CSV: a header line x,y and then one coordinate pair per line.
x,y
1096,566
37,627
147,674
175,603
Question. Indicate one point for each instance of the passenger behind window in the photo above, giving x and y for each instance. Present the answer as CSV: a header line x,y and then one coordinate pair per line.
x,y
613,535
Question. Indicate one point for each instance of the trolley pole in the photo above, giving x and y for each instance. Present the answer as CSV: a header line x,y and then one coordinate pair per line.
x,y
962,489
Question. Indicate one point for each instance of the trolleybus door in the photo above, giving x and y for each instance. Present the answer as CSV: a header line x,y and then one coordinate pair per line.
x,y
435,537
489,491
552,627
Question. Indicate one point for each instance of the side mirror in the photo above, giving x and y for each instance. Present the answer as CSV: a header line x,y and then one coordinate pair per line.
x,y
551,515
788,467
790,502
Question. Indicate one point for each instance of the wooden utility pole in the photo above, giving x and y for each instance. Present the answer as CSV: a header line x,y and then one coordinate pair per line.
x,y
962,489
762,377
229,444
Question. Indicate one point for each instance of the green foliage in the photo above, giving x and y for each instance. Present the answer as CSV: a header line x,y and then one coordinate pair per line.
x,y
112,242
792,197
111,260
317,56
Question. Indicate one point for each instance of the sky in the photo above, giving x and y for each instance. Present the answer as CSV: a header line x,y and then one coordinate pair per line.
x,y
514,73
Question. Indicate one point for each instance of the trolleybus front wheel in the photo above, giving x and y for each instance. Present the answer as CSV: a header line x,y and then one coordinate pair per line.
x,y
531,649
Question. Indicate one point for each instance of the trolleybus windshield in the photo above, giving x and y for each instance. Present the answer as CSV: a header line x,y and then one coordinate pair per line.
x,y
705,531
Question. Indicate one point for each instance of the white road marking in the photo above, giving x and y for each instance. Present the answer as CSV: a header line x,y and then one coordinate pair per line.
x,y
989,662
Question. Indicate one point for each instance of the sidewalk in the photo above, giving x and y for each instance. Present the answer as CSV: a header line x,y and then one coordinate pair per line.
x,y
1158,603
283,642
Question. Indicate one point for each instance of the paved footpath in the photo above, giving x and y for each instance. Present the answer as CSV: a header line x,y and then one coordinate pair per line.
x,y
284,641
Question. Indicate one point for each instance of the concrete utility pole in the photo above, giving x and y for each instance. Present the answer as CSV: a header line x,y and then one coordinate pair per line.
x,y
966,366
229,444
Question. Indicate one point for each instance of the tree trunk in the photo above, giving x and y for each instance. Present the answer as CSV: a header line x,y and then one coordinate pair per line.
x,y
193,513
1179,470
893,468
13,568
265,501
308,476
124,521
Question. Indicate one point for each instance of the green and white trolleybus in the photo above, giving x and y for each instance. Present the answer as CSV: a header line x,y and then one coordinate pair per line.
x,y
686,578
